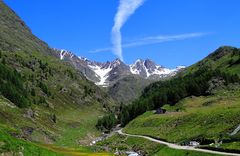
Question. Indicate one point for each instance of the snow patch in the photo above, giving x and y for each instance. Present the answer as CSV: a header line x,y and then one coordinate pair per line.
x,y
146,70
139,65
62,54
102,74
134,71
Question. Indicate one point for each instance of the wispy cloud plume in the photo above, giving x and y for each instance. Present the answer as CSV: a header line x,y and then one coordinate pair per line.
x,y
125,10
153,40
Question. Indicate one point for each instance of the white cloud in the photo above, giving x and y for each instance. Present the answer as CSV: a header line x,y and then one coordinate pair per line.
x,y
125,10
153,40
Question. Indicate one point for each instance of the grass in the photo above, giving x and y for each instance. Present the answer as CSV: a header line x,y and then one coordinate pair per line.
x,y
128,88
172,152
13,146
9,144
232,145
83,151
78,126
223,63
122,143
200,118
76,102
146,147
75,126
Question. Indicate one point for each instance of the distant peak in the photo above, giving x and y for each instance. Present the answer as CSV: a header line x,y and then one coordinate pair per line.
x,y
148,60
83,58
117,60
62,53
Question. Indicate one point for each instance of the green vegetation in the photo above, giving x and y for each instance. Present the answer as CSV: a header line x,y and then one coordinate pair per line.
x,y
45,99
202,104
60,111
171,91
204,119
44,89
13,146
16,36
12,86
145,147
128,89
78,125
217,70
74,128
107,122
171,152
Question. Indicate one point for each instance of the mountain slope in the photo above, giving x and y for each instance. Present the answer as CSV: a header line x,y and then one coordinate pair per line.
x,y
201,103
123,82
225,58
150,70
43,98
106,74
128,88
200,79
16,36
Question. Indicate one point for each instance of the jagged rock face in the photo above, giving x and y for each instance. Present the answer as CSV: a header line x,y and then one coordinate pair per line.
x,y
119,69
82,64
138,68
150,65
105,74
148,69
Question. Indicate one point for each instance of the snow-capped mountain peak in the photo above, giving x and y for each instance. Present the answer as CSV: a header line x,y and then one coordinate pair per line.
x,y
104,74
62,53
105,71
101,72
147,68
116,63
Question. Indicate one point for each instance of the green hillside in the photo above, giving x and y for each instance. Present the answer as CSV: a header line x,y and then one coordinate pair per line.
x,y
44,99
202,103
10,145
224,58
217,70
128,89
205,119
15,34
145,147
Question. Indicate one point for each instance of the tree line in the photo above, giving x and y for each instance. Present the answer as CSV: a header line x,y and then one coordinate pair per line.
x,y
170,92
11,86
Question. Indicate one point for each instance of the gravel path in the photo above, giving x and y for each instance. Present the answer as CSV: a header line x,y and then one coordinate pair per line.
x,y
174,146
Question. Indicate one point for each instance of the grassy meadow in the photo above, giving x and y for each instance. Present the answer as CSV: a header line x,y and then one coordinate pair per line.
x,y
205,119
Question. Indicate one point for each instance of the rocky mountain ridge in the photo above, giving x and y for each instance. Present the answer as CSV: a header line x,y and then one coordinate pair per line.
x,y
105,74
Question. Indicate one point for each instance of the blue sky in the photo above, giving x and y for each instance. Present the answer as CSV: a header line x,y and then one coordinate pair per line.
x,y
195,28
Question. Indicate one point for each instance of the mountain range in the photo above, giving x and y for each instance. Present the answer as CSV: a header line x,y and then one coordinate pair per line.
x,y
107,73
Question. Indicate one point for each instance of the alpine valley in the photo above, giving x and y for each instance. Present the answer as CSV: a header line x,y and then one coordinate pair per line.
x,y
123,82
55,103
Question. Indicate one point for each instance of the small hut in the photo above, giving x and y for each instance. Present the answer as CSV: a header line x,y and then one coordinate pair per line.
x,y
160,111
194,143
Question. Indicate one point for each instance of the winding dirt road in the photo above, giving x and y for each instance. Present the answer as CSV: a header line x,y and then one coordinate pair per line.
x,y
174,146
